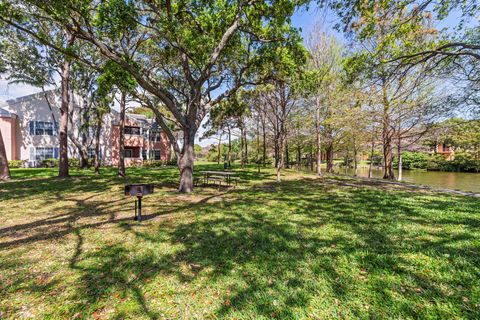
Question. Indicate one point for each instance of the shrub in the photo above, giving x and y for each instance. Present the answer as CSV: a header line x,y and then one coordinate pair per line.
x,y
49,163
437,163
172,162
462,162
158,163
16,163
74,162
52,163
466,162
412,160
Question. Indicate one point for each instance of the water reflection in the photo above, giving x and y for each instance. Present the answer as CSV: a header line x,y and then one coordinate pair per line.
x,y
449,180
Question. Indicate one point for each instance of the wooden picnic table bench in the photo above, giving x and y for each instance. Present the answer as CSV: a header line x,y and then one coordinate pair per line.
x,y
219,176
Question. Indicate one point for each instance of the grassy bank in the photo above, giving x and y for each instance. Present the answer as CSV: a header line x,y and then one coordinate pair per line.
x,y
305,248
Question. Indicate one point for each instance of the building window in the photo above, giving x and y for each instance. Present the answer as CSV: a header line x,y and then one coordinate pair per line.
x,y
132,130
144,154
155,154
42,153
128,153
43,128
155,136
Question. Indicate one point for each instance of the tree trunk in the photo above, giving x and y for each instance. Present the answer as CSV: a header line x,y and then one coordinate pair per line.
x,y
97,145
388,159
258,144
387,139
4,170
299,157
281,154
84,163
218,148
82,150
400,160
355,154
276,138
185,162
319,142
371,159
245,140
287,159
229,147
63,145
264,158
242,148
330,156
311,160
121,136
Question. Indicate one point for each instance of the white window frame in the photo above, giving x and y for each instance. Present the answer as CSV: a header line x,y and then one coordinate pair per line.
x,y
43,125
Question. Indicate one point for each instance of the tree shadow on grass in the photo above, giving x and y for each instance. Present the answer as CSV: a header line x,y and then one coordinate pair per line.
x,y
373,248
298,249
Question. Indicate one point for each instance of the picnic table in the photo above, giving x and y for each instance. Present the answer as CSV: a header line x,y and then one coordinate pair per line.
x,y
218,176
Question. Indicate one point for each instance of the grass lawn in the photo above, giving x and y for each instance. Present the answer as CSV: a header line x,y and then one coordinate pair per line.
x,y
307,248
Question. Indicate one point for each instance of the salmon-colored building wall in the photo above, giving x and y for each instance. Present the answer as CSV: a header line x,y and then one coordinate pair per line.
x,y
8,125
137,141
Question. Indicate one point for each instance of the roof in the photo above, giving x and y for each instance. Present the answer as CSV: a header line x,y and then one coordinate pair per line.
x,y
5,113
140,118
30,96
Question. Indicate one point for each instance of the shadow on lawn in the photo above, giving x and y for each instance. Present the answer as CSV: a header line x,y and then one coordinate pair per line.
x,y
373,252
279,249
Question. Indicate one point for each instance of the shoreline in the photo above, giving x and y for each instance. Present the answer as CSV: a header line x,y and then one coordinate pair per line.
x,y
408,184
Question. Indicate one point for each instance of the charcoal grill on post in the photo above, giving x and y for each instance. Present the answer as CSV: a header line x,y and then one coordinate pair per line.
x,y
138,190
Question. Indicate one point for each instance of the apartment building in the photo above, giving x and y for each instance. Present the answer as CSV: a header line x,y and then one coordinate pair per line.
x,y
30,125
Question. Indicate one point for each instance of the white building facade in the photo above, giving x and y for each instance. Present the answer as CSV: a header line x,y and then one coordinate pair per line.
x,y
30,125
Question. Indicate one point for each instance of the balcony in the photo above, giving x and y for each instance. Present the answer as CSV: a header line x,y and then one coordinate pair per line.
x,y
132,140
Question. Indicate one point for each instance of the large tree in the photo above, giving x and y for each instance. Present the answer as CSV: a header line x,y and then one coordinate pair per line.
x,y
187,55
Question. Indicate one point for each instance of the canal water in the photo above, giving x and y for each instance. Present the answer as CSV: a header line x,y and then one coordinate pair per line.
x,y
448,180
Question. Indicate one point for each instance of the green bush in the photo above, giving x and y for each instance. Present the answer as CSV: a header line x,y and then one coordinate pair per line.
x,y
49,163
74,162
412,160
437,163
16,163
158,163
52,163
466,162
463,162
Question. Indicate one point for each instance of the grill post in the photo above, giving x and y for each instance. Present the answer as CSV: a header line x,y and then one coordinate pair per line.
x,y
135,218
139,208
138,190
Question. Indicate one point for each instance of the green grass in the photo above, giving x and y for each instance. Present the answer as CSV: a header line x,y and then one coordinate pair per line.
x,y
306,248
